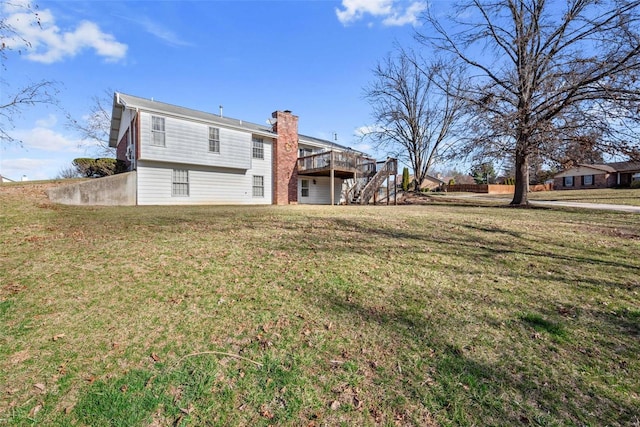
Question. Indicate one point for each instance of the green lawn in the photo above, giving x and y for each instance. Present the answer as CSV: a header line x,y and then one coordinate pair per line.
x,y
310,316
614,196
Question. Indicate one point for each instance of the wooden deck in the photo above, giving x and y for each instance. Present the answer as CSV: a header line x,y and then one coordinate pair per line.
x,y
344,165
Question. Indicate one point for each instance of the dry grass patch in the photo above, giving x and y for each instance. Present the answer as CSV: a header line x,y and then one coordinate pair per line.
x,y
408,315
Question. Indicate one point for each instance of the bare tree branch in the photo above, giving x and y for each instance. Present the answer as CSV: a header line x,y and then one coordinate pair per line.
x,y
543,79
44,92
414,117
94,127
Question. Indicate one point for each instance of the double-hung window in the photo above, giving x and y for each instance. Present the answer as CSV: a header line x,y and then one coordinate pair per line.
x,y
258,186
214,140
180,184
568,181
587,180
157,131
258,148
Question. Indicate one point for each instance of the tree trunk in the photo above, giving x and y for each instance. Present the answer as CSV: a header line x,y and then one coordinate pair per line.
x,y
521,196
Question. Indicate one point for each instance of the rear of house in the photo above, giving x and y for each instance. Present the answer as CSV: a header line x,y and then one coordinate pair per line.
x,y
185,156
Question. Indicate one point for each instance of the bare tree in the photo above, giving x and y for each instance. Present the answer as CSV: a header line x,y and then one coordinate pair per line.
x,y
94,128
545,72
68,172
43,92
414,117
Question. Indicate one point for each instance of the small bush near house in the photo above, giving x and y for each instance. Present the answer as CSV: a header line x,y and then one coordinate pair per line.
x,y
635,184
96,168
405,179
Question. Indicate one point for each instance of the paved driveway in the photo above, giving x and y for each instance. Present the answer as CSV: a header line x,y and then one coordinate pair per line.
x,y
556,203
602,206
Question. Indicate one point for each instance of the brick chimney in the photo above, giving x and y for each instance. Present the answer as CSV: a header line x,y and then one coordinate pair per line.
x,y
285,159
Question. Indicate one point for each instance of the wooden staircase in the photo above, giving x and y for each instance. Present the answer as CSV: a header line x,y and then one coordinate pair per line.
x,y
365,189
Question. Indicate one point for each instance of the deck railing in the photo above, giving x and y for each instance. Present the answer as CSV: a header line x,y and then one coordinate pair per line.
x,y
337,160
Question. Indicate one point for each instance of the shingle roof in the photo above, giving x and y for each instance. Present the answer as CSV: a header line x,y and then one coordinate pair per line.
x,y
131,101
149,104
601,167
625,166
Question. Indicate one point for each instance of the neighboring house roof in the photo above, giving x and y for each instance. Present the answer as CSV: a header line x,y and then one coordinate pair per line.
x,y
585,169
133,102
625,166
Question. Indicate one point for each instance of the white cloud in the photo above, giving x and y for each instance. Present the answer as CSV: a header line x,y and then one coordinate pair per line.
x,y
162,33
366,130
43,137
410,15
355,10
47,43
32,169
392,12
47,122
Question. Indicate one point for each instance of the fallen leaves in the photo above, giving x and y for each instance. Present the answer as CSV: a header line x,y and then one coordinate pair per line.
x,y
266,412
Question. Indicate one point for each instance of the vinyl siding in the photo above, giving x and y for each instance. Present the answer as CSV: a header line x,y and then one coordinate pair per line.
x,y
319,192
207,185
188,142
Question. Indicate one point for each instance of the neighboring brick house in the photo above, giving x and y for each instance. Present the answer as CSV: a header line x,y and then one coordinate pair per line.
x,y
605,175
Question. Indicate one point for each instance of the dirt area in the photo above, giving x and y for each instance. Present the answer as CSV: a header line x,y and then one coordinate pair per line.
x,y
32,190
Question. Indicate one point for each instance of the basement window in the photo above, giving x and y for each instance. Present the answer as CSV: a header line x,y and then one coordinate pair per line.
x,y
258,186
180,184
304,188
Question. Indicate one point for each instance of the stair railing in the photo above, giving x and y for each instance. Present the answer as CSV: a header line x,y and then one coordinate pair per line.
x,y
389,167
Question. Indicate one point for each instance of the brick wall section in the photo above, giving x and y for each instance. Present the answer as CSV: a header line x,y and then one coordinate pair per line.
x,y
607,180
285,159
121,149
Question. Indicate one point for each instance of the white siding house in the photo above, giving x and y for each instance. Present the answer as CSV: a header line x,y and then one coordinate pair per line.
x,y
183,156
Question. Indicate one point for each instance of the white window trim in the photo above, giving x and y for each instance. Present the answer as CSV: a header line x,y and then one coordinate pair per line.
x,y
162,132
214,142
257,152
302,187
175,182
257,188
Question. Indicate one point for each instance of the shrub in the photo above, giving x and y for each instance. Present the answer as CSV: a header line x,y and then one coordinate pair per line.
x,y
405,179
635,184
96,168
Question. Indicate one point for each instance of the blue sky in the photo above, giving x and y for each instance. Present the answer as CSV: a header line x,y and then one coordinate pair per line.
x,y
252,57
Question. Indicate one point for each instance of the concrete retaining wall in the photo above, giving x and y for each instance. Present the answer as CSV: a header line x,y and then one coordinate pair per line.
x,y
116,190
